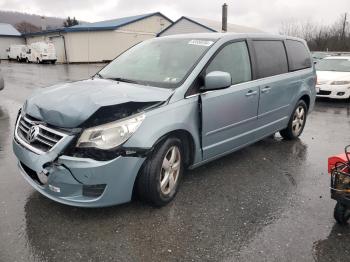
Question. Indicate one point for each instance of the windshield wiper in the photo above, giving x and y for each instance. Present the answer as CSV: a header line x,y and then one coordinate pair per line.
x,y
120,79
99,75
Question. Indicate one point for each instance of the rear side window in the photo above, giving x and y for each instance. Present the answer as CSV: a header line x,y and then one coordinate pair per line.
x,y
298,55
271,58
233,59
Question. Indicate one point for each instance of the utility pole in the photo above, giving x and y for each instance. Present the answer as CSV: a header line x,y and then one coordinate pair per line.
x,y
343,36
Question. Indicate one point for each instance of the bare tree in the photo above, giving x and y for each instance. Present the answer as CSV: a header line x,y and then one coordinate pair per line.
x,y
25,27
335,37
290,28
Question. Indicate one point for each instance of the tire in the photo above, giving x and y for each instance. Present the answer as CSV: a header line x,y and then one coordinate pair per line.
x,y
53,62
27,60
18,60
37,60
341,213
156,171
296,122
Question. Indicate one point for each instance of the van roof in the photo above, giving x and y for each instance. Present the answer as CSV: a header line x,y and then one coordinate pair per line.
x,y
234,36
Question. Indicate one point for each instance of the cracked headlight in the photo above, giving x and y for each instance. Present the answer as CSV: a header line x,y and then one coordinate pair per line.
x,y
110,135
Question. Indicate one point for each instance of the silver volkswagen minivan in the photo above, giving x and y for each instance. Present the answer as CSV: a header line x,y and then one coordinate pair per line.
x,y
163,106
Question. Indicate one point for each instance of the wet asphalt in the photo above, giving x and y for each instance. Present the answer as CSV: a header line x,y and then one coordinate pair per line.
x,y
267,202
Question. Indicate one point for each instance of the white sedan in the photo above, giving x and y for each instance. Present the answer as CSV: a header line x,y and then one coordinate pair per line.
x,y
333,77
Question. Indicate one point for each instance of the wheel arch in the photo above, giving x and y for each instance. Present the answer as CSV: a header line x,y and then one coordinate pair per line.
x,y
189,151
187,140
306,99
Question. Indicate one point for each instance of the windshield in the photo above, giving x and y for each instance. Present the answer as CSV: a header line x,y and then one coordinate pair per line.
x,y
339,65
159,62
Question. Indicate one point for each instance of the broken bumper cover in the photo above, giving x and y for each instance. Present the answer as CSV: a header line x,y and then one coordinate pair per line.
x,y
80,182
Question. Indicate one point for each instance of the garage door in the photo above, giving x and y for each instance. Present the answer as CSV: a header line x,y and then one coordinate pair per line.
x,y
59,45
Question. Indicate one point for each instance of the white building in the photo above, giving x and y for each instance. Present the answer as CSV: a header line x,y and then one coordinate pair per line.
x,y
8,36
101,41
188,25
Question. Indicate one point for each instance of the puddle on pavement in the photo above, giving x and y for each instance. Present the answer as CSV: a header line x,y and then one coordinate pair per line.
x,y
335,247
4,128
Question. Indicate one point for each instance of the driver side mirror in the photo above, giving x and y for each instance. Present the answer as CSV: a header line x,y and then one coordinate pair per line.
x,y
217,80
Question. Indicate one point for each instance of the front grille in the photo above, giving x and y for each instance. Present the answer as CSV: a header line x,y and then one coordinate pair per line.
x,y
45,139
324,93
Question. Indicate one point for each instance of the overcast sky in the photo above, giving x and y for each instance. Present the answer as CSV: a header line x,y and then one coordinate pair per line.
x,y
266,15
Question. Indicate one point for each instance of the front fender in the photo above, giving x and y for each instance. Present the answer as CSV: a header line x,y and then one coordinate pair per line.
x,y
180,115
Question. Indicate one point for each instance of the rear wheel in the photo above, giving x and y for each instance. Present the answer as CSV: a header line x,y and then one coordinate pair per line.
x,y
27,60
159,180
37,60
296,122
341,213
18,59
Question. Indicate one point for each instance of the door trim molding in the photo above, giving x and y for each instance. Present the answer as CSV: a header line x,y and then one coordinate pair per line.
x,y
230,126
272,111
246,133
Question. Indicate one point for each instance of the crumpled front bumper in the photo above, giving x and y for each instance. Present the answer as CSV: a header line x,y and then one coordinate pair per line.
x,y
68,177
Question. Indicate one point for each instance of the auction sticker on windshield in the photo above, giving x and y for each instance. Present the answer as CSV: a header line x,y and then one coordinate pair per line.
x,y
200,42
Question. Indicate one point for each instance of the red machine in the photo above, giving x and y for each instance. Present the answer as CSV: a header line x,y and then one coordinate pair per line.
x,y
339,169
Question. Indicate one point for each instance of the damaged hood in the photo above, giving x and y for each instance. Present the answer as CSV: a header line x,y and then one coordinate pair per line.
x,y
69,105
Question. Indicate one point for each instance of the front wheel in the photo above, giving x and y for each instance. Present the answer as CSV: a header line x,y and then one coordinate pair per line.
x,y
296,122
159,179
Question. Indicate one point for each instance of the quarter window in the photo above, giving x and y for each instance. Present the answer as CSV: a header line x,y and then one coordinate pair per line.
x,y
298,55
271,58
233,59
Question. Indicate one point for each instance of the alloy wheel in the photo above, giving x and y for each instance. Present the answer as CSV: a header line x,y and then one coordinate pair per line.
x,y
298,120
170,170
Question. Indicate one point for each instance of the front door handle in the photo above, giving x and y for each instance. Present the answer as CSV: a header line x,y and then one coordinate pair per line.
x,y
251,93
266,89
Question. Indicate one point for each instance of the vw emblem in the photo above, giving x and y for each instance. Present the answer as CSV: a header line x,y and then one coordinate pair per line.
x,y
33,133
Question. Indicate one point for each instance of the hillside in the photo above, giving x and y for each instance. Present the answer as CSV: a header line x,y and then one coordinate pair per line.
x,y
17,18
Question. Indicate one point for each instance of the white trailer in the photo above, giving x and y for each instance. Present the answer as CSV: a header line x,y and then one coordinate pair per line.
x,y
17,52
41,52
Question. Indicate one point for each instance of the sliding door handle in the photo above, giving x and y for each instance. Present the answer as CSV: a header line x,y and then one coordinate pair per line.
x,y
265,89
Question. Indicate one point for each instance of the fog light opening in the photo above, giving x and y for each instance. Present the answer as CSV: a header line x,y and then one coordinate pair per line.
x,y
93,190
340,93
